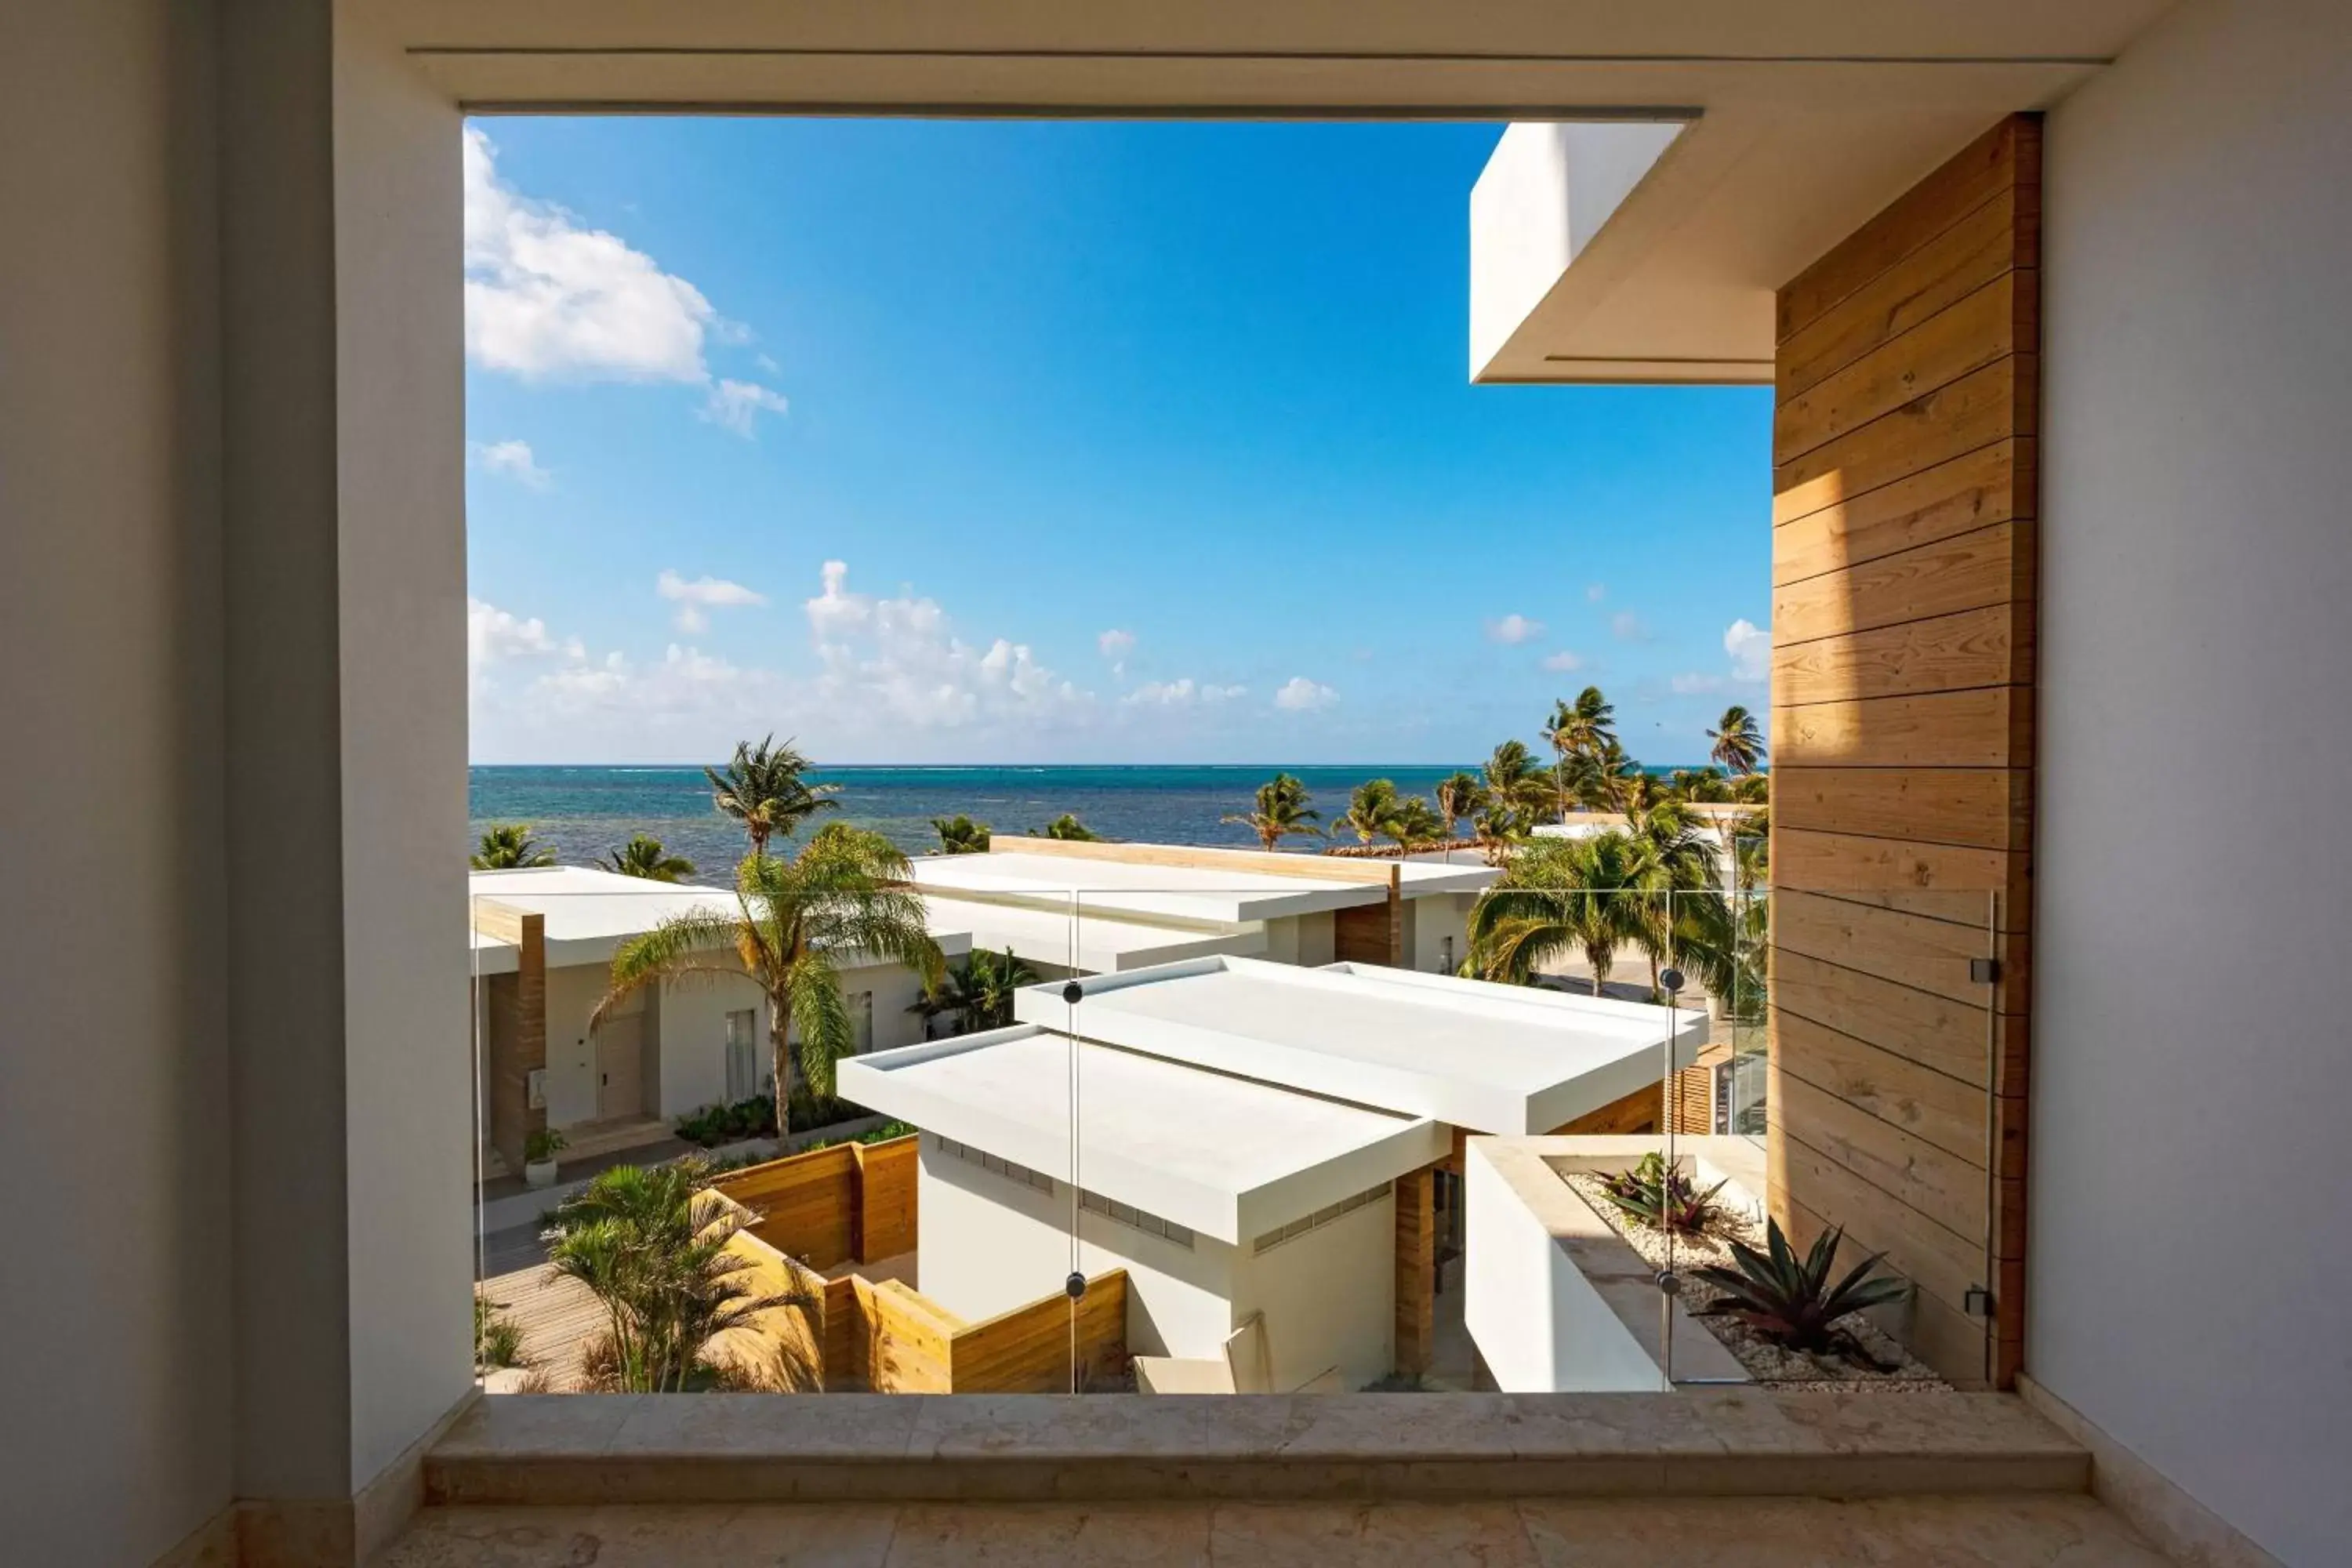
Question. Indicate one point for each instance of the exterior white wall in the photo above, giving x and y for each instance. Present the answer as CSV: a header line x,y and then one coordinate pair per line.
x,y
1538,1324
2184,1273
110,638
985,1244
1434,919
691,1026
1307,939
1328,1296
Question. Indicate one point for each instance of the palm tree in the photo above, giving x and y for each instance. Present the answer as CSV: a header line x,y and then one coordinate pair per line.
x,y
1677,892
1459,795
1581,731
509,846
1371,810
1497,830
848,891
1282,811
1738,744
960,835
1697,785
643,856
1412,825
978,991
1067,828
1515,782
762,788
1557,896
650,1242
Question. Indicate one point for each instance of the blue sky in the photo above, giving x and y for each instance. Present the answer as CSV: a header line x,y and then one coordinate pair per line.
x,y
1059,442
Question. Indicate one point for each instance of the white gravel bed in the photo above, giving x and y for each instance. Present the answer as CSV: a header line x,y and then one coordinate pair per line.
x,y
1769,1365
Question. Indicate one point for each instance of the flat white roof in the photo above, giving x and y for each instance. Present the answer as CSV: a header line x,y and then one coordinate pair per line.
x,y
1505,1060
591,912
1094,940
1229,1157
1209,895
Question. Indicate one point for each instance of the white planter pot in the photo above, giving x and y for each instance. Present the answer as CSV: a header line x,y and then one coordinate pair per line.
x,y
539,1174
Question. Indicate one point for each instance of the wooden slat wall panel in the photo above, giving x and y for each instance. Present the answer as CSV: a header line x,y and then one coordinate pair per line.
x,y
887,1176
1417,1271
1905,463
1028,1349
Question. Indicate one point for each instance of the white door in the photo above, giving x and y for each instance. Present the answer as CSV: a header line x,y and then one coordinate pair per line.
x,y
620,1067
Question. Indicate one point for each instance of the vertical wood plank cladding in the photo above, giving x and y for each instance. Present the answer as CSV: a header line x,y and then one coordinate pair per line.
x,y
1417,1271
1906,445
1363,934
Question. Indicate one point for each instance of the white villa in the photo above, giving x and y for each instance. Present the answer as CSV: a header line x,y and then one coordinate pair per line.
x,y
1260,1146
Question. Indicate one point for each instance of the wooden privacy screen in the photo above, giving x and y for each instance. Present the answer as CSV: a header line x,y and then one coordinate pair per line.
x,y
854,1202
1903,602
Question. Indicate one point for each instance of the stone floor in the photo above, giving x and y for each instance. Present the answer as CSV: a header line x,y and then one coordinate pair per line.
x,y
2046,1531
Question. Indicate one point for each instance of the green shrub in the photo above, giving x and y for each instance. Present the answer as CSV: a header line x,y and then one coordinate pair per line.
x,y
541,1146
1663,1197
1791,1302
498,1339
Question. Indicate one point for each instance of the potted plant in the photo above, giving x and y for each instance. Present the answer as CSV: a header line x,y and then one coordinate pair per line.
x,y
539,1151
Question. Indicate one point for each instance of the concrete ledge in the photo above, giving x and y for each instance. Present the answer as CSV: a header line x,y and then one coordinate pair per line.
x,y
578,1449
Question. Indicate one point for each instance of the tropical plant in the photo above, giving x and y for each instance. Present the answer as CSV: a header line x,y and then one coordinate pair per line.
x,y
978,991
1666,1198
960,835
543,1144
1699,785
1676,904
1738,744
1497,830
1372,811
1413,826
1791,1302
848,891
762,788
650,1242
1580,736
1556,896
509,846
497,1338
643,856
1517,782
1068,829
1459,795
1281,812
1756,789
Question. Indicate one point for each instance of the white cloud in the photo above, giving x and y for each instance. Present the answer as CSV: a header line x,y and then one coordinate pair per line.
x,y
734,404
1627,627
1563,661
898,662
514,460
1115,646
1693,683
494,636
1750,647
547,297
696,599
1300,695
1180,693
1514,628
1595,592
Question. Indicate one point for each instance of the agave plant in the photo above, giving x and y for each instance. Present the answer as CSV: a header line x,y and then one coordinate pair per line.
x,y
1663,1197
1792,1303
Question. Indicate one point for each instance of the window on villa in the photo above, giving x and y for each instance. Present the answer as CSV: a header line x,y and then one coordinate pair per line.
x,y
742,1055
1445,955
1147,1223
861,1007
996,1167
1320,1217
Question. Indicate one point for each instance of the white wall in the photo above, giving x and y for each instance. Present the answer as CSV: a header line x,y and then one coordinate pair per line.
x,y
1435,918
1301,939
1328,1296
985,1245
2191,1086
121,1441
1538,1324
691,1025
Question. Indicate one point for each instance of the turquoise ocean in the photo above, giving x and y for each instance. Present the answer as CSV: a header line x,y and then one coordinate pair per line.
x,y
582,812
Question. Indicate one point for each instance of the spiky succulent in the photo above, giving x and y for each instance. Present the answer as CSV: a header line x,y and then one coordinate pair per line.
x,y
1663,1197
1791,1302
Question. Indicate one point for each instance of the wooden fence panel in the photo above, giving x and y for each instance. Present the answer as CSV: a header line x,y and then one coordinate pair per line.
x,y
1029,1349
886,1174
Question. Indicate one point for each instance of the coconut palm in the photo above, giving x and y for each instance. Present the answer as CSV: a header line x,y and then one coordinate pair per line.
x,y
1413,826
650,1242
1678,905
1756,789
762,788
1557,896
643,856
848,891
1738,744
1701,784
1069,830
1460,795
960,835
1282,812
1372,810
1497,830
1517,782
509,846
1580,731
